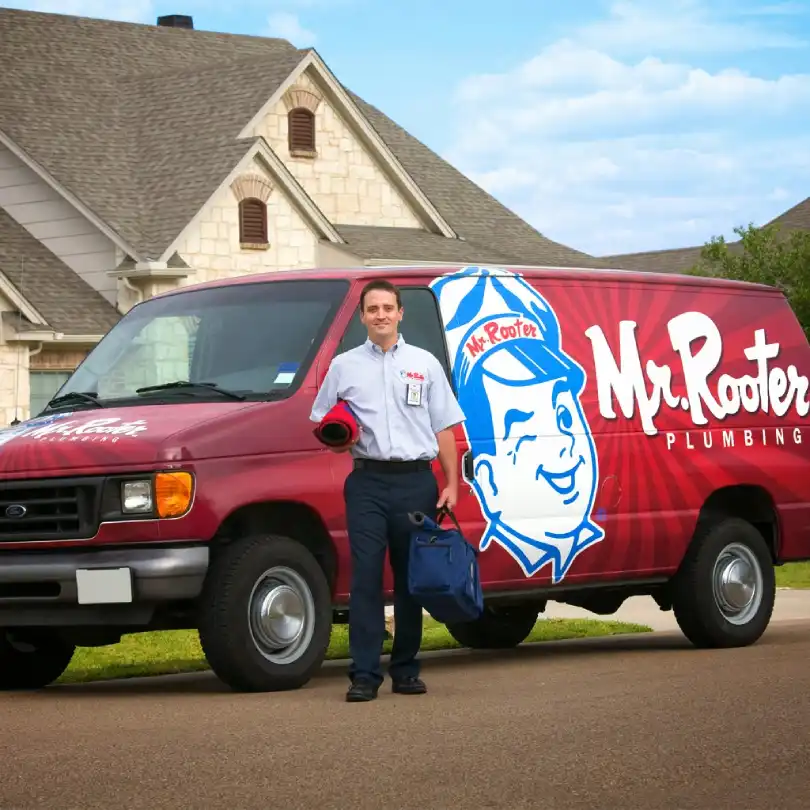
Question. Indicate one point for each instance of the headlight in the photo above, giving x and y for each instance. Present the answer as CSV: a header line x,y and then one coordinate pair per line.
x,y
167,495
136,497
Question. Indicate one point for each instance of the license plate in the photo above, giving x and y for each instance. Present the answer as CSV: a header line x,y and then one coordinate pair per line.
x,y
104,586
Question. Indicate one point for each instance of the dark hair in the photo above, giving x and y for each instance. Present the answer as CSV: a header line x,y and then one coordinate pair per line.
x,y
380,284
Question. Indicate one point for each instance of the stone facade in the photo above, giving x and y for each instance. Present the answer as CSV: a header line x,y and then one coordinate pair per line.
x,y
211,246
341,176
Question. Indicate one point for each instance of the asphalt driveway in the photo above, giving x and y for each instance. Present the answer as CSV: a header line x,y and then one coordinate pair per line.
x,y
624,722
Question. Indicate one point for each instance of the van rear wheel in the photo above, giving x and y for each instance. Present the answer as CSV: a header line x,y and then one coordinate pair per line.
x,y
496,628
266,614
724,592
32,658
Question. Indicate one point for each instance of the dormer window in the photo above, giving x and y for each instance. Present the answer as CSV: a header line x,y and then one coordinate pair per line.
x,y
301,131
252,222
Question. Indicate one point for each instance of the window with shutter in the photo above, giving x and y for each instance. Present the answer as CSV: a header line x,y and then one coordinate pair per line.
x,y
301,130
253,222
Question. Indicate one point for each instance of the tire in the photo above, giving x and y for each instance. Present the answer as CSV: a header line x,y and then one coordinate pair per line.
x,y
713,616
496,628
32,658
250,657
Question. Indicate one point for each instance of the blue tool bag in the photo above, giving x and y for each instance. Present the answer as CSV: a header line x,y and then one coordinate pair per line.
x,y
443,574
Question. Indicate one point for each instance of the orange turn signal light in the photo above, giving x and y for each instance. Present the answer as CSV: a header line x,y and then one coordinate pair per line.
x,y
173,491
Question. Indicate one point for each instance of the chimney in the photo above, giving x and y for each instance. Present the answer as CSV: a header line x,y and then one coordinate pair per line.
x,y
176,21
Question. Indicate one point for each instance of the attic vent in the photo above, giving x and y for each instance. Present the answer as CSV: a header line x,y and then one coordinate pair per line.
x,y
176,21
301,130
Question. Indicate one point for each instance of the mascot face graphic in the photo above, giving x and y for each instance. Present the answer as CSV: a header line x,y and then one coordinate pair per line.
x,y
534,458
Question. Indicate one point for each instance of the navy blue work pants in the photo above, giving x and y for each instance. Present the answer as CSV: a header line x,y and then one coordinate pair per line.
x,y
377,507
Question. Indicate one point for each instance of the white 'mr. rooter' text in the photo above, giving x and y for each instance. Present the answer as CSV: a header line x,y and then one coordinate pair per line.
x,y
768,389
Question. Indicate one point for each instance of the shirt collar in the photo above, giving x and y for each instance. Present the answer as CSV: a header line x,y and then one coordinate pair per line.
x,y
375,349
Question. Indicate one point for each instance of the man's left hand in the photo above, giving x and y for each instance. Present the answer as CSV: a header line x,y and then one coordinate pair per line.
x,y
448,498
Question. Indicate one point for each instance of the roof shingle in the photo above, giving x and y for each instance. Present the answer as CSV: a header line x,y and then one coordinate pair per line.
x,y
388,244
65,300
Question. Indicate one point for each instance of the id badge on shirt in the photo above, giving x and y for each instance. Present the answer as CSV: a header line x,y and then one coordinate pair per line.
x,y
414,394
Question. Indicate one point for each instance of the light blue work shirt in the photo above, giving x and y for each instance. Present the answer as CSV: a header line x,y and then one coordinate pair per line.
x,y
376,384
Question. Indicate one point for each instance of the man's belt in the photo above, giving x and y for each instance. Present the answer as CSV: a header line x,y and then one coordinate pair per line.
x,y
375,465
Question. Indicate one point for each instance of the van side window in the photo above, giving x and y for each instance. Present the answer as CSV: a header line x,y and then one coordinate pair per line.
x,y
421,326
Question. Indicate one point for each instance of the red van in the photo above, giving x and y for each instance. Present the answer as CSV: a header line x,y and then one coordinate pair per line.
x,y
626,434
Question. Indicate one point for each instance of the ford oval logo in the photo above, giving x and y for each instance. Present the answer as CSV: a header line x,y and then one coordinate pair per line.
x,y
16,510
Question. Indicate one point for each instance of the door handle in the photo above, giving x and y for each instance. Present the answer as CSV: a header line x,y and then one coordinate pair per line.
x,y
467,467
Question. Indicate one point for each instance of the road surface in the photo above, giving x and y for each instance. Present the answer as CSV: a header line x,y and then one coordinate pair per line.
x,y
631,722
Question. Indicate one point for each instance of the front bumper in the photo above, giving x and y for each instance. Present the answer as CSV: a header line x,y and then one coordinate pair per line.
x,y
97,587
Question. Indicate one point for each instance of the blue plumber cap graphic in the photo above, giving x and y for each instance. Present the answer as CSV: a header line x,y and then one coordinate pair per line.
x,y
498,325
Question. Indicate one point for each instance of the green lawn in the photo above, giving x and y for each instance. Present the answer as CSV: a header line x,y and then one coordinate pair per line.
x,y
177,651
793,575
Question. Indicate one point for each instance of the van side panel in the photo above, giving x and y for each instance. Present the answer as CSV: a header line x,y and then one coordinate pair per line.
x,y
690,390
594,456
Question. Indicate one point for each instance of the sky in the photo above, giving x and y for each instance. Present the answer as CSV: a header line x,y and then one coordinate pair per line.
x,y
612,126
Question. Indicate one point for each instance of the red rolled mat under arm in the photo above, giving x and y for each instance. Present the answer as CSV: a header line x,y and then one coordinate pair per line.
x,y
338,428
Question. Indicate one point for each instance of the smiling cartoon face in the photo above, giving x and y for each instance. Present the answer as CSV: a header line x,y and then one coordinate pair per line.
x,y
534,459
546,454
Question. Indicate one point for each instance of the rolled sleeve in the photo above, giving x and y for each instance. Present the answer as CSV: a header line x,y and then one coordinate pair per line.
x,y
327,396
445,412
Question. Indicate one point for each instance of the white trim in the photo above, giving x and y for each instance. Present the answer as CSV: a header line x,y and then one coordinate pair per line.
x,y
413,192
52,337
145,272
17,299
284,180
20,154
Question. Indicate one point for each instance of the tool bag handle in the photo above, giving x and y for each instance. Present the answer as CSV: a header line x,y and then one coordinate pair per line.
x,y
447,512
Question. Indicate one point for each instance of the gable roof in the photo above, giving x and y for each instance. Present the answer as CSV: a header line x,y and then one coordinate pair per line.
x,y
137,121
678,260
63,300
794,219
141,123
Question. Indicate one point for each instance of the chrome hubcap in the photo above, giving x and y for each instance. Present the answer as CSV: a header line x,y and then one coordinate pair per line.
x,y
737,583
281,615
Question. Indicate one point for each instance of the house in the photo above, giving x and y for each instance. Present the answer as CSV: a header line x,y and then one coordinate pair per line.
x,y
681,260
134,158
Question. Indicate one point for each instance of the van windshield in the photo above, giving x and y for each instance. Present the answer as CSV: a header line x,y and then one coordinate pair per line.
x,y
246,341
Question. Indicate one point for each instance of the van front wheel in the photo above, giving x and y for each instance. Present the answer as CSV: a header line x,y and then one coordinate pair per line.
x,y
266,614
724,592
32,658
496,628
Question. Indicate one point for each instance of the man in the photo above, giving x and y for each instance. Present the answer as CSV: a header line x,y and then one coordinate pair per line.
x,y
406,410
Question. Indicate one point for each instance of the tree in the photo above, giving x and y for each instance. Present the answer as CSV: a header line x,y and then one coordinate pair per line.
x,y
764,256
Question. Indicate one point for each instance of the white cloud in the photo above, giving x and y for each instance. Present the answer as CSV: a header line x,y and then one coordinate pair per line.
x,y
286,25
680,26
613,155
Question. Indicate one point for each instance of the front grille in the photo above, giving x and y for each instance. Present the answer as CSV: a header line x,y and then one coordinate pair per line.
x,y
56,509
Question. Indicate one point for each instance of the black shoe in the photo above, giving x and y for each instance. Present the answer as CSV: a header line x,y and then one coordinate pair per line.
x,y
409,686
361,691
